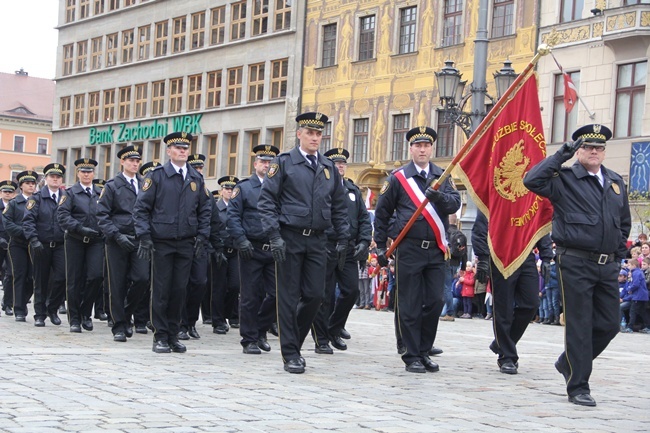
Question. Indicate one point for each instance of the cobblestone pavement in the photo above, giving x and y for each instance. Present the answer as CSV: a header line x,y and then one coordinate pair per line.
x,y
52,380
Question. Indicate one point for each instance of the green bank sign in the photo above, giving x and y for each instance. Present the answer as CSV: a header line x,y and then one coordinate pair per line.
x,y
124,132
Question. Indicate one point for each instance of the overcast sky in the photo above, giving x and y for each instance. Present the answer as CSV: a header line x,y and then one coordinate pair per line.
x,y
27,36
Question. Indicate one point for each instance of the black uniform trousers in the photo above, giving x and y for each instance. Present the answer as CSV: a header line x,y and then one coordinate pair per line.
x,y
7,279
84,264
225,289
49,280
300,285
171,272
142,311
257,310
419,288
195,291
591,302
333,313
21,269
128,280
515,301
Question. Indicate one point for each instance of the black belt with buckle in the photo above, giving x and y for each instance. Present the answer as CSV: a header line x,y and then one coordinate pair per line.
x,y
54,244
264,246
600,258
304,232
423,243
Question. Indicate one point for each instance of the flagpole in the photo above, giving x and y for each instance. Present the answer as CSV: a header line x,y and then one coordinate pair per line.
x,y
542,50
591,115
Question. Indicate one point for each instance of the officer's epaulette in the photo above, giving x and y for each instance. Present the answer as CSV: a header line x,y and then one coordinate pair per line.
x,y
283,154
156,168
246,179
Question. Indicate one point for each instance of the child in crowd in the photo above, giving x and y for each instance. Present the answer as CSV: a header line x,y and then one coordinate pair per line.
x,y
552,289
625,299
645,267
373,272
364,285
467,292
639,292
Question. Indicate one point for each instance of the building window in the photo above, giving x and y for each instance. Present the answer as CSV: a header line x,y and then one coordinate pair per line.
x,y
234,86
113,5
93,108
70,6
282,14
214,89
232,154
630,99
453,20
571,10
213,144
105,168
445,141
157,98
502,18
96,55
68,54
84,9
141,100
367,38
277,136
256,82
253,140
144,36
279,73
127,46
329,45
129,3
326,141
360,141
99,7
194,90
175,95
160,39
218,26
82,56
19,143
64,119
198,30
408,19
400,128
154,151
178,34
111,50
41,146
563,123
238,21
260,17
125,103
79,109
109,105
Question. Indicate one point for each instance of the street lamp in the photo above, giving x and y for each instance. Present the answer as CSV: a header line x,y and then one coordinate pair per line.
x,y
452,99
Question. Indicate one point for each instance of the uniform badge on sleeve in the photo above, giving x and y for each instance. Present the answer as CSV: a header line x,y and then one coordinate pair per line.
x,y
30,204
193,186
384,187
452,184
5,209
273,169
235,192
147,184
63,199
616,188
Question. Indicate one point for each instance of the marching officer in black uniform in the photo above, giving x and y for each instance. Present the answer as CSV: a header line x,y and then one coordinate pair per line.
x,y
515,299
225,279
172,220
421,258
591,224
128,275
302,197
84,245
333,313
7,190
45,236
256,265
19,256
102,303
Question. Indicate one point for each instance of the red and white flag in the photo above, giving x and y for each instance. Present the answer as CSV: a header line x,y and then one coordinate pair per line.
x,y
570,90
369,196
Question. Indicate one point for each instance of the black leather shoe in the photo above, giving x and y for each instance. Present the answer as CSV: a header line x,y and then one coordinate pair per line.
x,y
302,361
193,332
294,366
177,346
8,311
416,367
263,344
207,321
62,309
338,343
274,329
54,318
234,323
324,349
87,324
128,331
182,335
141,329
161,346
39,323
345,334
429,365
110,323
434,351
401,350
75,328
20,318
508,367
559,367
220,329
494,347
119,336
101,316
251,349
149,326
582,400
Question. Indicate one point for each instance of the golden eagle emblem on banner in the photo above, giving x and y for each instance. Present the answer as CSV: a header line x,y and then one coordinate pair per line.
x,y
509,174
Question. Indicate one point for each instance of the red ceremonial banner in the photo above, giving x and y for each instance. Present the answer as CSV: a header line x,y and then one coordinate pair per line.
x,y
493,170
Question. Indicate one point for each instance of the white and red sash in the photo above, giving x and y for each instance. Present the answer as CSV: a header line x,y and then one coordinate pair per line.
x,y
417,196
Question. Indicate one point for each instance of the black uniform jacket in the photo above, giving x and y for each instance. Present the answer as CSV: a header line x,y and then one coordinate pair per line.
x,y
167,208
12,217
243,219
115,207
586,216
393,198
77,209
358,217
40,220
3,232
293,196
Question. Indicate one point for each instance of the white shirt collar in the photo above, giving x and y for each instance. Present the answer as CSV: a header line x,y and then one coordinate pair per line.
x,y
304,154
184,167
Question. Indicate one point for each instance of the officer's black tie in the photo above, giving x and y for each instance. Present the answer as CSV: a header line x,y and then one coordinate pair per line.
x,y
133,185
312,160
180,171
54,197
423,174
90,194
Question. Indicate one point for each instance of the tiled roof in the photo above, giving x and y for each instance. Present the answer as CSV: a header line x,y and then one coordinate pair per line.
x,y
27,97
